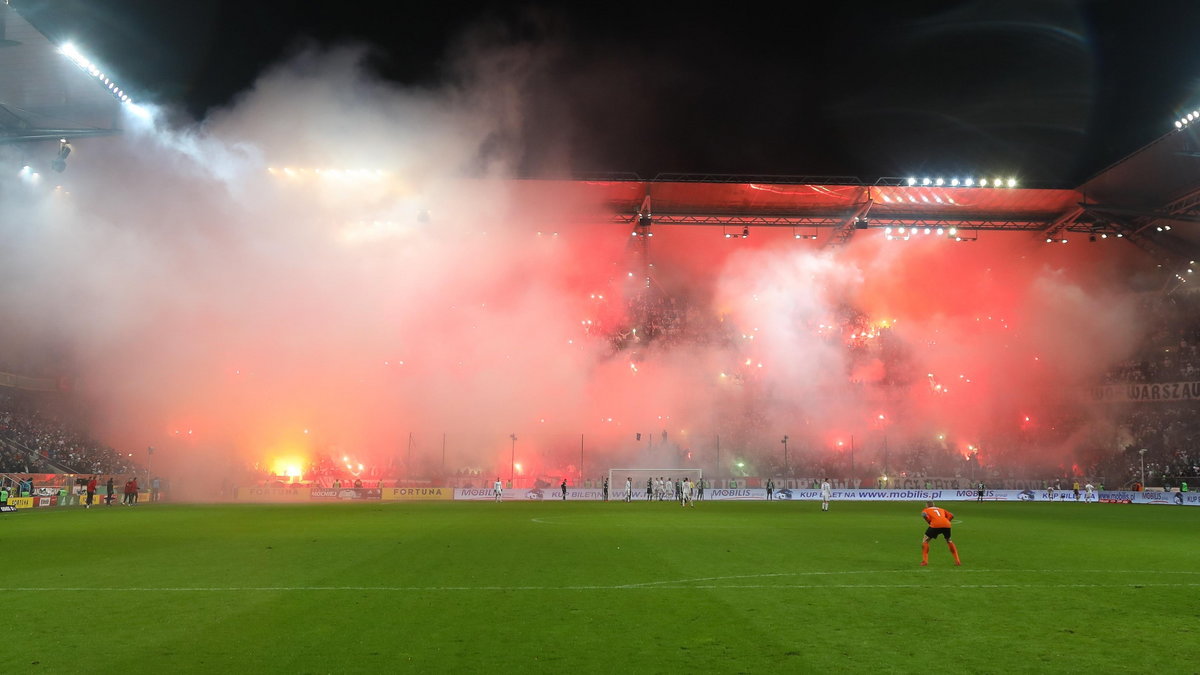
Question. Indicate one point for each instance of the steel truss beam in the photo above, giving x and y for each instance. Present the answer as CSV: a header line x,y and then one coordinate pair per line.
x,y
876,221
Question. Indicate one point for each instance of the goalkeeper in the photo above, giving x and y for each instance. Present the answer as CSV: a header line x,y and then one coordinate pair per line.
x,y
939,525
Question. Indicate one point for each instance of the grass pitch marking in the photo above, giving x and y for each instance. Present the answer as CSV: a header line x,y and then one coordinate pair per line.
x,y
677,584
431,589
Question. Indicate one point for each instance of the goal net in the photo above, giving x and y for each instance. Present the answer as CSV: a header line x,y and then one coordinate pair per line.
x,y
649,478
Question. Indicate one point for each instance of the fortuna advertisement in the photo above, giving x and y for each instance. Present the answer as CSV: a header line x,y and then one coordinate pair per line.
x,y
417,493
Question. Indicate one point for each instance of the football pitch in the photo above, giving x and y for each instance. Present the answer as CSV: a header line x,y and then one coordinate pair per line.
x,y
567,587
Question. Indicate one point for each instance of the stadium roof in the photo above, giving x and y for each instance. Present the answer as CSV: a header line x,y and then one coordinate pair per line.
x,y
1151,198
45,95
836,207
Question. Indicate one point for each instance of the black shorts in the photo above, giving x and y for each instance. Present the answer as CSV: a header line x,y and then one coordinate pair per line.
x,y
933,532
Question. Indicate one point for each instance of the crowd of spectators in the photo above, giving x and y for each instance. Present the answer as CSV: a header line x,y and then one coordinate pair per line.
x,y
1170,350
33,440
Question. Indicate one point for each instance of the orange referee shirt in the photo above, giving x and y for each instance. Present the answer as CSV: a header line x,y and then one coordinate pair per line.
x,y
937,516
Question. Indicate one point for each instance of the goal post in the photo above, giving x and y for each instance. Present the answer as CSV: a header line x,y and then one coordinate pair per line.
x,y
616,480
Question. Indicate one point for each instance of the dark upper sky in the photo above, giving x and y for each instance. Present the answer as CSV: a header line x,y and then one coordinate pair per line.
x,y
1049,90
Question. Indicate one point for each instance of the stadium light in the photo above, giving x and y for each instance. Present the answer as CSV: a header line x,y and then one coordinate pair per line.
x,y
72,53
912,181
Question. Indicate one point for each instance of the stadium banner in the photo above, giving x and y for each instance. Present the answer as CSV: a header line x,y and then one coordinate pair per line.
x,y
344,493
1163,392
417,493
272,494
1152,497
7,508
21,502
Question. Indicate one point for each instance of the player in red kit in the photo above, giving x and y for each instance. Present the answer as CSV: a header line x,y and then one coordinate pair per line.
x,y
939,524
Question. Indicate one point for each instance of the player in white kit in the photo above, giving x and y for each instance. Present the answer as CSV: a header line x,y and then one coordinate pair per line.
x,y
498,490
1089,493
629,489
826,493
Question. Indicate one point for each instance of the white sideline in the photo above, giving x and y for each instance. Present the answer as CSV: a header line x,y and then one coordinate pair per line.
x,y
678,584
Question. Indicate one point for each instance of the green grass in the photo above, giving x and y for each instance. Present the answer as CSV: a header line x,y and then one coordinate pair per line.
x,y
590,587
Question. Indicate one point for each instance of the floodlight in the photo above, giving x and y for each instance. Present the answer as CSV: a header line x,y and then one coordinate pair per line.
x,y
59,163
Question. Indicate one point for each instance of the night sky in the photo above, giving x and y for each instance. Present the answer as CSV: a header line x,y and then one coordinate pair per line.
x,y
1050,91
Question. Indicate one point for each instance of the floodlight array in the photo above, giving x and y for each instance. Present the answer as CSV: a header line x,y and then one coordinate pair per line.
x,y
967,182
72,52
906,233
1187,119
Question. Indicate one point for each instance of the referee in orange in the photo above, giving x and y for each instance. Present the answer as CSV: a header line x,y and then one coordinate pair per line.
x,y
939,524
